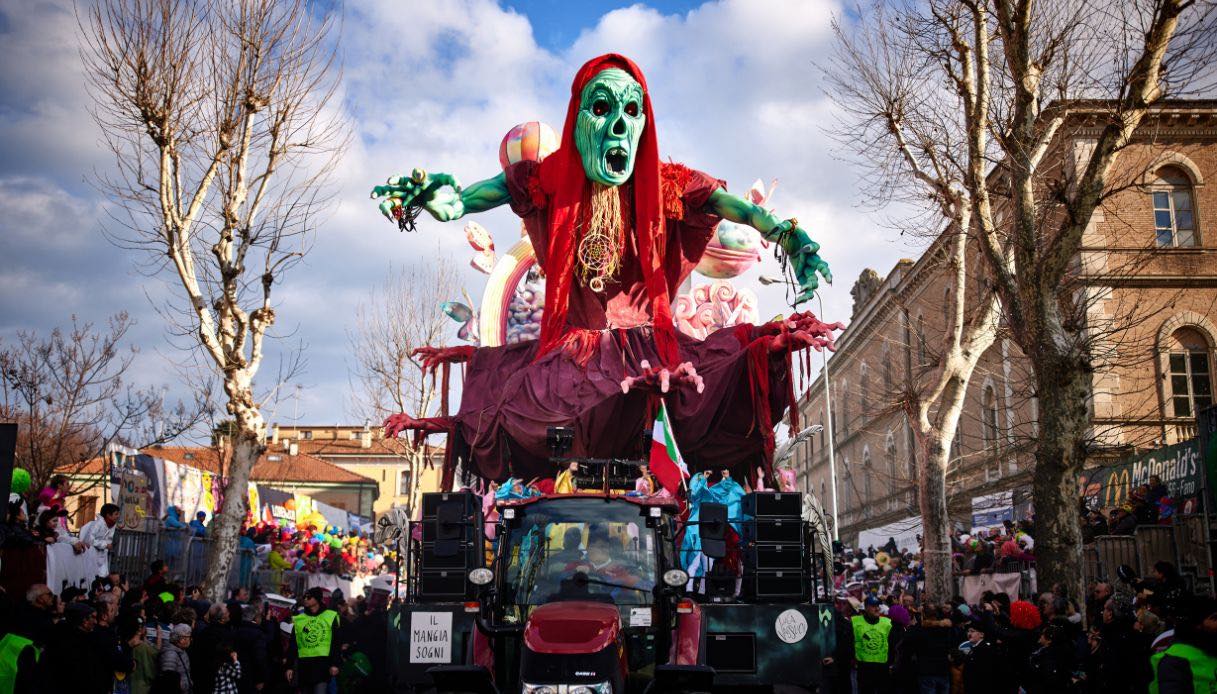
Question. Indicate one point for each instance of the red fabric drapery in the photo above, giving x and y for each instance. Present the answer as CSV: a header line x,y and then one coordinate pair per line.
x,y
568,188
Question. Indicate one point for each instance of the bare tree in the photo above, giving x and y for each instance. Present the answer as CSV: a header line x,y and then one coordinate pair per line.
x,y
899,117
220,120
1025,78
68,394
399,316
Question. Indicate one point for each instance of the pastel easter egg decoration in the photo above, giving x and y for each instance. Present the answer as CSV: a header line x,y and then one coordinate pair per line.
x,y
531,141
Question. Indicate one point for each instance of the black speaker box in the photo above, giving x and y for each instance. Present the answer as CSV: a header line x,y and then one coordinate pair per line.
x,y
459,532
731,652
783,531
469,503
765,557
439,585
774,504
776,584
465,557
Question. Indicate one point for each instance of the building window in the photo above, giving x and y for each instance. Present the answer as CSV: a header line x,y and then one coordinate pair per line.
x,y
1191,384
988,413
403,483
1174,214
864,385
889,452
921,360
946,310
868,474
887,374
307,435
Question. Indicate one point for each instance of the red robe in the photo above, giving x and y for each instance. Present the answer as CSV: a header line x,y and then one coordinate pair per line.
x,y
591,341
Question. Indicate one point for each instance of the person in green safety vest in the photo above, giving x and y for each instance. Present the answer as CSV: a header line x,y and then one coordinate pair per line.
x,y
314,645
18,664
1189,665
871,651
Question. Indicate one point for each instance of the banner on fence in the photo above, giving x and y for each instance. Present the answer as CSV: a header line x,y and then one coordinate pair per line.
x,y
277,507
1178,466
133,498
904,532
973,587
989,511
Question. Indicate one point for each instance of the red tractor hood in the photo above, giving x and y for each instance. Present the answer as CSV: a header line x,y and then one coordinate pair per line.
x,y
571,627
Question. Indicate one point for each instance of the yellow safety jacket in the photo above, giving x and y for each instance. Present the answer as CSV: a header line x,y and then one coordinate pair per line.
x,y
314,633
870,640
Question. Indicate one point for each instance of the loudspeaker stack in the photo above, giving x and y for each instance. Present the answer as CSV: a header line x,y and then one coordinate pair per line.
x,y
451,545
773,546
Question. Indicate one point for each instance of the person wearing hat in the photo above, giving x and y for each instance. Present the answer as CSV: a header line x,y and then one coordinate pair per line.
x,y
983,659
314,645
871,648
174,659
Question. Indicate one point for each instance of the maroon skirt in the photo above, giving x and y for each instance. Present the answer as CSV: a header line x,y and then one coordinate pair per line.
x,y
508,402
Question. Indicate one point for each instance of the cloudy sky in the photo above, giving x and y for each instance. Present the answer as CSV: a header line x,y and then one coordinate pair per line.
x,y
734,85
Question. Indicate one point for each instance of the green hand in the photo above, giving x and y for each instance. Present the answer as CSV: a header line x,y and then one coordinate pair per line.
x,y
804,258
438,193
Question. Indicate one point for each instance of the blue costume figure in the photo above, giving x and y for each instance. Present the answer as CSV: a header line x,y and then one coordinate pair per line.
x,y
727,492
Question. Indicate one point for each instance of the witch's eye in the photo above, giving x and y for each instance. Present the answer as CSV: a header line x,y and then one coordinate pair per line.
x,y
600,107
631,109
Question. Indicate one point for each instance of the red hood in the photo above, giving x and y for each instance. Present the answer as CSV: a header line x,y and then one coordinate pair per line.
x,y
571,627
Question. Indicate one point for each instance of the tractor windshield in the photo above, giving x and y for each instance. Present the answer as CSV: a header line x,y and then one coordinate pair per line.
x,y
580,549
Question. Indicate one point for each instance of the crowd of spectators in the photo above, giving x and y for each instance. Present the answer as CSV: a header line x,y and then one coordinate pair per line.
x,y
1147,504
1137,636
160,637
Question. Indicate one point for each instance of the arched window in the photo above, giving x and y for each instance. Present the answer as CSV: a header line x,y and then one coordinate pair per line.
x,y
889,452
1191,379
843,403
848,490
864,386
868,474
946,310
887,373
988,413
1174,213
921,360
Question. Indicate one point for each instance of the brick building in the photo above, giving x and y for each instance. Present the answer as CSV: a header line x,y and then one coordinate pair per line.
x,y
1148,276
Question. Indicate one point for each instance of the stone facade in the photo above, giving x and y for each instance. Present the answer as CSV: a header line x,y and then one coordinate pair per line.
x,y
1149,287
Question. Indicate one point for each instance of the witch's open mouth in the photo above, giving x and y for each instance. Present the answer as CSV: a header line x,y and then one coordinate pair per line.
x,y
616,159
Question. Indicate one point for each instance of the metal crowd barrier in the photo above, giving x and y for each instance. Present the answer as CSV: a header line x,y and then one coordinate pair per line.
x,y
1155,543
134,551
1181,543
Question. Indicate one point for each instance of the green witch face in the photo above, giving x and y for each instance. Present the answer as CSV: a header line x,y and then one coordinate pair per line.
x,y
609,126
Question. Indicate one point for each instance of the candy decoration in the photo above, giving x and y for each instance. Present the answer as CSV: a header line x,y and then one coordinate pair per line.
x,y
478,237
531,141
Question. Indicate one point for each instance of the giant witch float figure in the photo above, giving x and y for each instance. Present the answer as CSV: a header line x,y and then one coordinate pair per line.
x,y
616,231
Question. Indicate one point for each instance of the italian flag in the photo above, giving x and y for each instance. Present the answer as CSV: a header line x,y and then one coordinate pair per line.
x,y
666,464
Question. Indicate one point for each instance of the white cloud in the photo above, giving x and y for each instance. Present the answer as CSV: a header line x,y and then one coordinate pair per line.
x,y
437,85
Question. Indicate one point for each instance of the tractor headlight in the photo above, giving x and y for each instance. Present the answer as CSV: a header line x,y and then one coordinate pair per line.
x,y
675,578
481,576
540,689
597,688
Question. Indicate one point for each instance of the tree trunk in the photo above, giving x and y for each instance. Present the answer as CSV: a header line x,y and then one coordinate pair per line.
x,y
247,447
1063,386
935,522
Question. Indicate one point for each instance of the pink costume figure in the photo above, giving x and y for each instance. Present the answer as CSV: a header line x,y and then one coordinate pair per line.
x,y
645,484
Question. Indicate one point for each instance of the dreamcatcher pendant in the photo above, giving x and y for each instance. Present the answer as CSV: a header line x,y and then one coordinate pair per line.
x,y
599,258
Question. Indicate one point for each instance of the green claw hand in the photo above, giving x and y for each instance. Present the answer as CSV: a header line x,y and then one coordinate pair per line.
x,y
804,258
438,193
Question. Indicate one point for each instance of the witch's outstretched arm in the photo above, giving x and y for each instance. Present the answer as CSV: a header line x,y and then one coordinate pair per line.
x,y
440,194
795,241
